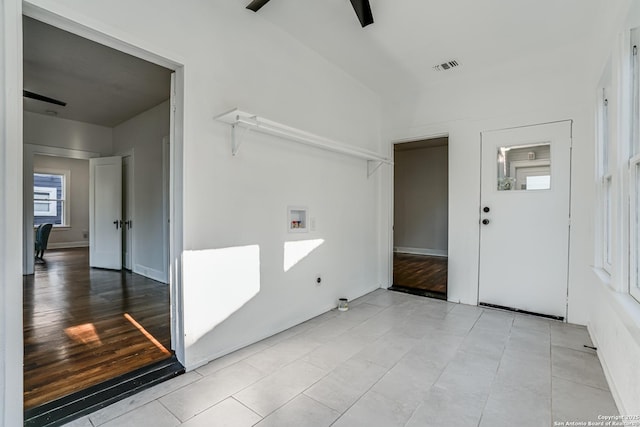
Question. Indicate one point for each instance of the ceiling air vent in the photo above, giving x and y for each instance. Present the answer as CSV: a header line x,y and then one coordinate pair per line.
x,y
446,65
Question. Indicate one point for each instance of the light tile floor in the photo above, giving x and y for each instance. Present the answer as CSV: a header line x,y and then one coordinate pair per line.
x,y
391,360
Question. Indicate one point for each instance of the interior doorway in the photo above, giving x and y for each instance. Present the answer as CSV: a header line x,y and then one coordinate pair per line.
x,y
421,210
93,335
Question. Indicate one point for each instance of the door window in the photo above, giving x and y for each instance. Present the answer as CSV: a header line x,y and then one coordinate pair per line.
x,y
524,167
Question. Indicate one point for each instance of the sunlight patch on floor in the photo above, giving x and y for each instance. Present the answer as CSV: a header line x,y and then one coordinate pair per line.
x,y
84,334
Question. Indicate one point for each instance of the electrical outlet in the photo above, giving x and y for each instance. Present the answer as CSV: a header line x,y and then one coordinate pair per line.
x,y
318,279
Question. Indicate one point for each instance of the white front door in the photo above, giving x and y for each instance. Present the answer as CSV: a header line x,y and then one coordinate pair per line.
x,y
524,218
105,212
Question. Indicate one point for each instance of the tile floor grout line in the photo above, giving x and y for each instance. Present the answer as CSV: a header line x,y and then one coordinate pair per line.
x,y
504,346
320,403
373,385
579,383
242,403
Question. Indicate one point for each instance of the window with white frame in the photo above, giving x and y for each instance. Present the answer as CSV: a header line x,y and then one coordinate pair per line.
x,y
606,181
50,197
634,166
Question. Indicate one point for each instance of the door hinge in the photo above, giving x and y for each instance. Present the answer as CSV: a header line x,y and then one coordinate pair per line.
x,y
173,102
635,50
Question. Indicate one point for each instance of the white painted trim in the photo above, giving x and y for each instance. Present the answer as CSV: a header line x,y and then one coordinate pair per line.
x,y
149,272
607,373
50,200
176,197
434,132
274,331
131,189
68,245
634,230
71,153
69,19
66,193
166,205
11,206
421,251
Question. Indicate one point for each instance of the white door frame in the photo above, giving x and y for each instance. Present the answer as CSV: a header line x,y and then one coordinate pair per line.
x,y
79,25
11,209
570,192
391,193
166,204
131,195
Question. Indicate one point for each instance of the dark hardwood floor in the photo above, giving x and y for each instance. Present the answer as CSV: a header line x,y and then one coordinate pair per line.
x,y
420,272
84,326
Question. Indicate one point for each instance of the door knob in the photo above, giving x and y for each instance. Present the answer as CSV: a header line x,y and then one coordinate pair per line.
x,y
116,222
486,209
485,221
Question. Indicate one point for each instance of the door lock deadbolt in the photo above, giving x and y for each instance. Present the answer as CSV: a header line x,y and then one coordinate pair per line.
x,y
486,209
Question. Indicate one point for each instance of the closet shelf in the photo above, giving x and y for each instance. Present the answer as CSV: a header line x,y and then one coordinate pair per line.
x,y
242,120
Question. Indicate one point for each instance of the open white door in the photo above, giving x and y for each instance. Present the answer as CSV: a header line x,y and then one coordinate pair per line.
x,y
127,233
524,230
105,213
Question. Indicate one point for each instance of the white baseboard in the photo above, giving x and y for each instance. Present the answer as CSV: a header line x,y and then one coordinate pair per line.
x,y
271,332
151,273
607,373
421,251
68,245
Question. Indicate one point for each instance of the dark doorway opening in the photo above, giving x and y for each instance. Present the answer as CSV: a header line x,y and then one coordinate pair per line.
x,y
420,244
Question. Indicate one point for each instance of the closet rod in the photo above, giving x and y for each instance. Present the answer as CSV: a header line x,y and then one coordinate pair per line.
x,y
237,118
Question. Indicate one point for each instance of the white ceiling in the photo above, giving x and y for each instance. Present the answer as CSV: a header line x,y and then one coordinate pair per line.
x,y
409,37
394,55
100,85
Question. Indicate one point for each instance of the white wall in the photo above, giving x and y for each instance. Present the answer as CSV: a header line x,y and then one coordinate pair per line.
x,y
420,200
74,235
11,214
143,134
233,58
71,134
613,317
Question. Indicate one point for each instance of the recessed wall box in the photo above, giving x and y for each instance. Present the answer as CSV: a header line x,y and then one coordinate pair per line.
x,y
297,218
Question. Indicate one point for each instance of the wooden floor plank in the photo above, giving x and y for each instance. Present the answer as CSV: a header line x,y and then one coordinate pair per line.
x,y
75,331
422,272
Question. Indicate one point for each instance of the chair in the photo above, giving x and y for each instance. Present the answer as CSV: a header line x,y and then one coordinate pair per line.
x,y
42,238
